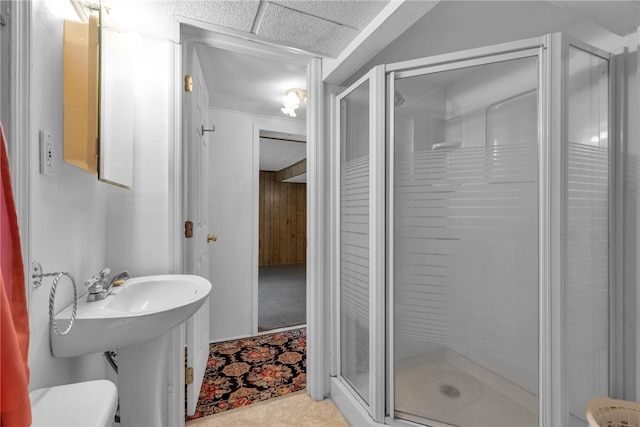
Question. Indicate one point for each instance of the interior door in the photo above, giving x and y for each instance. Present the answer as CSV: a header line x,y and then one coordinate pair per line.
x,y
196,251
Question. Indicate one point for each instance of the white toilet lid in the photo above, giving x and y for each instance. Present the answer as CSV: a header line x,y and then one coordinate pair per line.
x,y
85,404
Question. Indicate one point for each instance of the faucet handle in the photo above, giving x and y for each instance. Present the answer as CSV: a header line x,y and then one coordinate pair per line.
x,y
90,281
95,284
97,278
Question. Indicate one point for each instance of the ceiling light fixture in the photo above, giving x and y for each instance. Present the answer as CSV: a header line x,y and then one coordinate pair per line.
x,y
291,101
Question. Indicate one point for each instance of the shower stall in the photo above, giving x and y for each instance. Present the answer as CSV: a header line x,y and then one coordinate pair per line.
x,y
474,281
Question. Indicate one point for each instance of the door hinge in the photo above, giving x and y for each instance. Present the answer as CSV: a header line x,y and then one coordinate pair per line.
x,y
188,229
188,375
188,83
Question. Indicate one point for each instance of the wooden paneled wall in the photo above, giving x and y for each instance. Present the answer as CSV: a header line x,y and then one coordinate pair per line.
x,y
283,221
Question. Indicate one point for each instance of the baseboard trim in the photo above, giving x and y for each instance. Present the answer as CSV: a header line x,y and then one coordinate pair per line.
x,y
283,329
242,337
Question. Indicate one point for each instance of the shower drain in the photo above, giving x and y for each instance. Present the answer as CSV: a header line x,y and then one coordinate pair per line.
x,y
449,391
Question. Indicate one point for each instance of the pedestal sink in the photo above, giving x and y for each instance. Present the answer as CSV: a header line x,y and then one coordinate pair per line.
x,y
135,319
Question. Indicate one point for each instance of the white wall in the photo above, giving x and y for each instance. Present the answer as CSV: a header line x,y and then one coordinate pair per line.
x,y
232,217
137,226
79,224
68,214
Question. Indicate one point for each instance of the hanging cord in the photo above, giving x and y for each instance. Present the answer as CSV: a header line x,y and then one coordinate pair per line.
x,y
37,276
52,299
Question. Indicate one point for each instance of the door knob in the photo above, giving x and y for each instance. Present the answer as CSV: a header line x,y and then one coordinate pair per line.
x,y
211,238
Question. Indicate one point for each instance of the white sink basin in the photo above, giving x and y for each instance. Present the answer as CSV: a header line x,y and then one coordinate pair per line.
x,y
141,309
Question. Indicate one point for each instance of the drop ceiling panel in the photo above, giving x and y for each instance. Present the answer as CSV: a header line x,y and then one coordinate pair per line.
x,y
157,17
294,28
238,15
354,14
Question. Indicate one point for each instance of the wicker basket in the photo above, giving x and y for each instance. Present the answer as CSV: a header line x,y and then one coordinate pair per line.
x,y
607,412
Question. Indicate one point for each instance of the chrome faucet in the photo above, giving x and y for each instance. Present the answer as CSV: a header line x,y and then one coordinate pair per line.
x,y
119,279
100,286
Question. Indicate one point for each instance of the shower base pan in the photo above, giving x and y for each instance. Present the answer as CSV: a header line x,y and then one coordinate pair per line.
x,y
447,387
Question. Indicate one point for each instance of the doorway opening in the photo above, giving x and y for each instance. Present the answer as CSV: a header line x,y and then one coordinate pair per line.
x,y
245,88
235,74
282,231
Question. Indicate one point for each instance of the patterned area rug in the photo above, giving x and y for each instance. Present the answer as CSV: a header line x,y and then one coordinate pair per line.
x,y
242,372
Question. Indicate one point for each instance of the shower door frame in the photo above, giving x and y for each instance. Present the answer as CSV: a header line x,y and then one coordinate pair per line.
x,y
375,407
554,157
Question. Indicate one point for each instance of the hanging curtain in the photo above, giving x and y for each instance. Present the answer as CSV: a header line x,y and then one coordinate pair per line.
x,y
15,408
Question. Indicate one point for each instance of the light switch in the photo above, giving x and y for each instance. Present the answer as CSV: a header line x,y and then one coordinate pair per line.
x,y
46,153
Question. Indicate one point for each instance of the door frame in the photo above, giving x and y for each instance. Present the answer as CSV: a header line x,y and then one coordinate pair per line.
x,y
217,36
377,223
19,124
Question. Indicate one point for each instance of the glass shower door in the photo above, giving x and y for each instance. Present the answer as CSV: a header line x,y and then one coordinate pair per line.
x,y
359,179
465,242
587,243
354,233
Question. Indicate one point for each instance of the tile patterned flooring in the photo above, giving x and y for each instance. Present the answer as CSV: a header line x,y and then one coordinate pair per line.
x,y
296,410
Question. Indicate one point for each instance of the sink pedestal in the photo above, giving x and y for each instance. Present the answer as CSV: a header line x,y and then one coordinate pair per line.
x,y
136,319
142,382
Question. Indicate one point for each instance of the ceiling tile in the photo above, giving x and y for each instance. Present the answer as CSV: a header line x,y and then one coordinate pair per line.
x,y
238,15
298,29
355,14
157,17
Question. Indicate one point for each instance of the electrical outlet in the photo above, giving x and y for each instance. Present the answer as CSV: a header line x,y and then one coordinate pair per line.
x,y
46,153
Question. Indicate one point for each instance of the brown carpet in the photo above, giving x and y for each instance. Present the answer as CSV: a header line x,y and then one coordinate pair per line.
x,y
242,372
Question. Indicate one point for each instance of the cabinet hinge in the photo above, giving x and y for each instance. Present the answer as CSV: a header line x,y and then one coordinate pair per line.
x,y
188,229
188,375
188,83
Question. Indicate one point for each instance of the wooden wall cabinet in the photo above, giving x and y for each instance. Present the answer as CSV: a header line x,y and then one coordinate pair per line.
x,y
81,97
98,112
